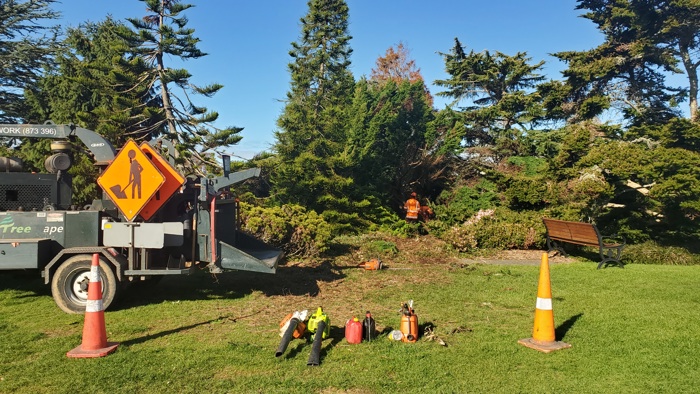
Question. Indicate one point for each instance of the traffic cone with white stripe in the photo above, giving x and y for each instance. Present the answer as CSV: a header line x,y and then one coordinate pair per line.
x,y
94,332
543,338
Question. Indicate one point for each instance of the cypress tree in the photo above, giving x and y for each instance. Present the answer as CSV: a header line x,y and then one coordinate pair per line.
x,y
313,169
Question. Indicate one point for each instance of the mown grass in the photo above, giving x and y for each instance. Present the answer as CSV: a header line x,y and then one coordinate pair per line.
x,y
633,330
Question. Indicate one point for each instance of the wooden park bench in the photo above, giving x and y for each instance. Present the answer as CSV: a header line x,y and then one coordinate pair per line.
x,y
585,234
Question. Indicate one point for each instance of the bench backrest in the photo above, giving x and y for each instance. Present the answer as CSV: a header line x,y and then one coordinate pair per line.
x,y
574,232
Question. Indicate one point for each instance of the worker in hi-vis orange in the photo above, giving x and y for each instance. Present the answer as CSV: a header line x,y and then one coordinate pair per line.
x,y
412,207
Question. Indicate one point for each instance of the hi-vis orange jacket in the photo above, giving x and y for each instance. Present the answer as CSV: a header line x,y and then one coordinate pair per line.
x,y
412,207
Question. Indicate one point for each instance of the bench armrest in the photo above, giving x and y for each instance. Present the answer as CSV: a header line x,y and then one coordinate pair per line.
x,y
614,239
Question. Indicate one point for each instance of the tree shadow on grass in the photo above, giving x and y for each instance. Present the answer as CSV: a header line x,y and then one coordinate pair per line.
x,y
589,254
200,285
164,333
582,252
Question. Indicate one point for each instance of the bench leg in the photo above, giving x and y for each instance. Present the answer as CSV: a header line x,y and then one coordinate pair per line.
x,y
553,245
610,256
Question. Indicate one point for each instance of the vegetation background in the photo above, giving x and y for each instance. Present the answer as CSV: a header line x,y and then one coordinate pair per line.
x,y
512,149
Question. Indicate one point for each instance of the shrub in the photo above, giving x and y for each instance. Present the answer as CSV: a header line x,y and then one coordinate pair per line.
x,y
402,228
459,205
290,227
526,192
461,238
653,253
382,248
437,228
495,233
498,229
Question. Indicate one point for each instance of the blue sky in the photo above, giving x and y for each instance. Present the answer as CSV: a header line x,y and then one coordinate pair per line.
x,y
248,44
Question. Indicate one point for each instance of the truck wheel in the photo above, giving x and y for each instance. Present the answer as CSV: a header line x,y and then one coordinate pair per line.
x,y
69,285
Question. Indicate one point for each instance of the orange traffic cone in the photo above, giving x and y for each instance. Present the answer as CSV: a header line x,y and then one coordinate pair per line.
x,y
543,338
94,332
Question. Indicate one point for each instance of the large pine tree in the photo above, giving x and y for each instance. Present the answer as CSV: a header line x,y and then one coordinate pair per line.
x,y
26,47
92,86
313,170
644,42
93,83
499,91
160,34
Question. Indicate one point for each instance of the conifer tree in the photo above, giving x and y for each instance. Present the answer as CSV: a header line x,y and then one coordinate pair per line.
x,y
396,65
387,138
26,47
163,33
95,85
390,115
313,169
644,42
500,91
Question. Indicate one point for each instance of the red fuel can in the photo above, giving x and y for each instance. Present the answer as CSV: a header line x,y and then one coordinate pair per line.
x,y
353,330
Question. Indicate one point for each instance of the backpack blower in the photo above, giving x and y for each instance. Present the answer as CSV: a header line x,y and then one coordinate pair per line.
x,y
292,326
320,327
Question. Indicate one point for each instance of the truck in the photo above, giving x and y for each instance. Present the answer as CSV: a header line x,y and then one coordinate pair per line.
x,y
159,223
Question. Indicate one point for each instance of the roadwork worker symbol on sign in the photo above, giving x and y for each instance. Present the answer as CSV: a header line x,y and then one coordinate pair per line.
x,y
141,180
134,174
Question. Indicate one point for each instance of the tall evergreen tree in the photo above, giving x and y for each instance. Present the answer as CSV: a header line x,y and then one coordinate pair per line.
x,y
387,138
644,41
26,48
95,85
162,33
396,65
92,86
313,169
679,22
500,91
390,116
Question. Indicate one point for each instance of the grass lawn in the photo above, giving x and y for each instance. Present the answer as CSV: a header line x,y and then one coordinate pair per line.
x,y
632,330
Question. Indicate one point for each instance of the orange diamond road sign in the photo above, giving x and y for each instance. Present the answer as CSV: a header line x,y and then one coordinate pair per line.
x,y
131,180
173,181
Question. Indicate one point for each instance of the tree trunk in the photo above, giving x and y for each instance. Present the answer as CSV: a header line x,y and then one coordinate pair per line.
x,y
692,70
165,94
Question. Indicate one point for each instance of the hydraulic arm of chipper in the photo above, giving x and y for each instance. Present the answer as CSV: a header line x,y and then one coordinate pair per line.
x,y
101,148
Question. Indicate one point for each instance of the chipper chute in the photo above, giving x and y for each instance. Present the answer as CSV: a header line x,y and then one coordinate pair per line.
x,y
231,248
249,254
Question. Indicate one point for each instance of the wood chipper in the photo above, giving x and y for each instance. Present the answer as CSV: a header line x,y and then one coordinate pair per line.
x,y
150,222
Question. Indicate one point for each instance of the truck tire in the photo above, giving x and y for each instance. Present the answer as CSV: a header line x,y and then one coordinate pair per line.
x,y
69,285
